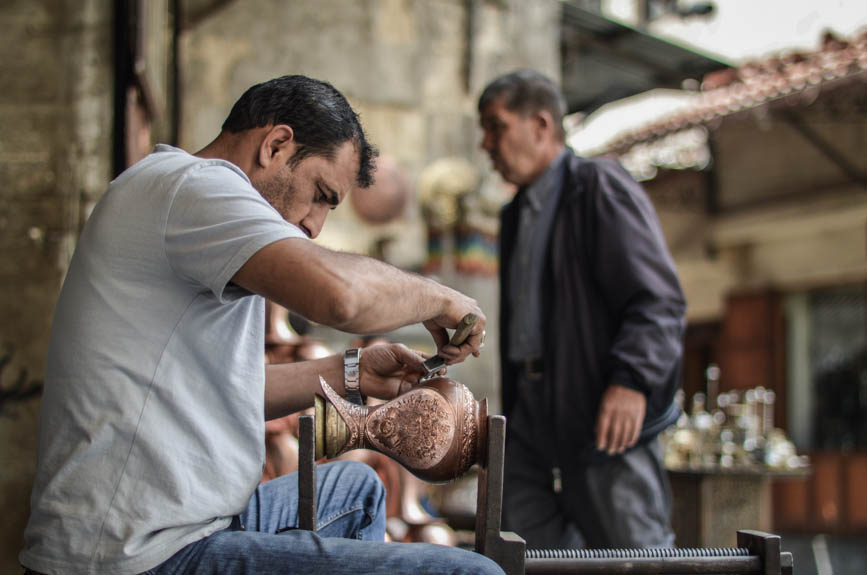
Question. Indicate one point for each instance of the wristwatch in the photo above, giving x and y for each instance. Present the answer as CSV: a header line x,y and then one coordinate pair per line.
x,y
351,359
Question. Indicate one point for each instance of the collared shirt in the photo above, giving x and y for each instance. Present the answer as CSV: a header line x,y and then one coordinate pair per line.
x,y
538,203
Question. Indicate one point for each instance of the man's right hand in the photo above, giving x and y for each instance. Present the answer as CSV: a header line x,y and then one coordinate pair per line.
x,y
621,415
437,327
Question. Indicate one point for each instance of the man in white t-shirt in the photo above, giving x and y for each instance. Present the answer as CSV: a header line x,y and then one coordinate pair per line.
x,y
156,390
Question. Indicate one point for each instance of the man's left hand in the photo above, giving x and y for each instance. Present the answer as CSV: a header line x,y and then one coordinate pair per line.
x,y
621,415
388,370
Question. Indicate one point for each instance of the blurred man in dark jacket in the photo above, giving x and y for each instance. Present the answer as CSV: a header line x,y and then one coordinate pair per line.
x,y
591,319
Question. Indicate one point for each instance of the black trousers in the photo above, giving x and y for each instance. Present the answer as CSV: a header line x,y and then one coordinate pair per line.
x,y
622,502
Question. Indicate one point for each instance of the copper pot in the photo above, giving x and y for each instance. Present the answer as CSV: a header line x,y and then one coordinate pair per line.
x,y
437,430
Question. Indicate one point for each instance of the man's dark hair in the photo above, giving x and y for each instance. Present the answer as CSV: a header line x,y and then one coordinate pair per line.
x,y
527,92
319,115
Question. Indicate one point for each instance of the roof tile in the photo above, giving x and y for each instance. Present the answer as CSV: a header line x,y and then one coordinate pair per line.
x,y
754,84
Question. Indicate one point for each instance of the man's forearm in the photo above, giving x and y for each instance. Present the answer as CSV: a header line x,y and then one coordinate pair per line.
x,y
347,291
378,297
290,387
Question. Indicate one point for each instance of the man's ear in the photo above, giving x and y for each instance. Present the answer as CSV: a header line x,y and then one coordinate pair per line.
x,y
544,123
278,145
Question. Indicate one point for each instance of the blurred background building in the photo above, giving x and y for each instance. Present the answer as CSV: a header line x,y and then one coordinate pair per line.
x,y
747,123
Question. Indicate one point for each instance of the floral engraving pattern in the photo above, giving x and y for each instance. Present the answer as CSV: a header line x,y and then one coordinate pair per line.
x,y
417,428
352,414
468,431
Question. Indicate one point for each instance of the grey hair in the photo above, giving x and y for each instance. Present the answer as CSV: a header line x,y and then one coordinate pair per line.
x,y
527,92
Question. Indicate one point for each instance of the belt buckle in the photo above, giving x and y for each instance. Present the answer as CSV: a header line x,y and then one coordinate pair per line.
x,y
530,369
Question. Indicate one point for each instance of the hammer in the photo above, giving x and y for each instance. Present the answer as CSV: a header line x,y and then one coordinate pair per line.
x,y
462,332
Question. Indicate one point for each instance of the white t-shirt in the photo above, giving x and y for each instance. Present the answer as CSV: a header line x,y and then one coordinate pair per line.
x,y
152,419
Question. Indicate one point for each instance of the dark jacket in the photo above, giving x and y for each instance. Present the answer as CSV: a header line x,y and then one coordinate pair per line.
x,y
613,308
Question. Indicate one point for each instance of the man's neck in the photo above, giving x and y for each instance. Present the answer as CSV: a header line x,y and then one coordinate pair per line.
x,y
235,148
546,158
552,153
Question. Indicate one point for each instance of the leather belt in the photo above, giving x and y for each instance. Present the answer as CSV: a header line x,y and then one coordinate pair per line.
x,y
532,368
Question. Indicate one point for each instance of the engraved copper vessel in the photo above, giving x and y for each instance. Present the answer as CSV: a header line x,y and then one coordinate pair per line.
x,y
437,430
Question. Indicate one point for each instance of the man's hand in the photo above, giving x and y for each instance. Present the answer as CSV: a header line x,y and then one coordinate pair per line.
x,y
621,415
473,344
388,370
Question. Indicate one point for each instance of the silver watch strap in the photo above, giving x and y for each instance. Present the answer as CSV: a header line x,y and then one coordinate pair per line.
x,y
351,380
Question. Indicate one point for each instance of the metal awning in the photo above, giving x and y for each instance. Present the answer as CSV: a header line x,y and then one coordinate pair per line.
x,y
604,60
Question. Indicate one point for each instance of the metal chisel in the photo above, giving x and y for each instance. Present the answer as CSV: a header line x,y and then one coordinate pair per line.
x,y
462,332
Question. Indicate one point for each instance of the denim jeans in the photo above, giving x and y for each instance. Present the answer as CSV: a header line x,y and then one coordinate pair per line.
x,y
265,540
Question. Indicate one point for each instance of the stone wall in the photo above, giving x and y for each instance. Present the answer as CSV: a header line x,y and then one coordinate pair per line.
x,y
55,109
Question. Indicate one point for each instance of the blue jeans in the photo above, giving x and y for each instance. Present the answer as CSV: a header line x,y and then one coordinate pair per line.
x,y
265,539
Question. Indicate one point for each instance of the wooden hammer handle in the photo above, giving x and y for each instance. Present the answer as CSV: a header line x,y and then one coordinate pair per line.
x,y
462,332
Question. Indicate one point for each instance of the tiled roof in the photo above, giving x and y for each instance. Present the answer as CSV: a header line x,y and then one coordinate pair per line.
x,y
755,84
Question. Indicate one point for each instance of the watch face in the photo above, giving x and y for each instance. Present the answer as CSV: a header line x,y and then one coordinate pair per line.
x,y
351,382
350,368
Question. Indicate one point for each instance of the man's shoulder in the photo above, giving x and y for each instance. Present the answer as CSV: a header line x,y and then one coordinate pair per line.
x,y
166,174
595,166
600,175
169,161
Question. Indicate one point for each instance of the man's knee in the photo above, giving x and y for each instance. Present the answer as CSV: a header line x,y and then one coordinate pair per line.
x,y
356,481
470,562
485,565
358,473
427,558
